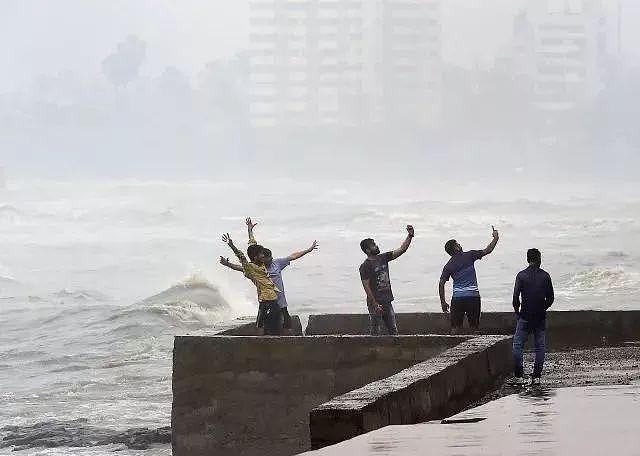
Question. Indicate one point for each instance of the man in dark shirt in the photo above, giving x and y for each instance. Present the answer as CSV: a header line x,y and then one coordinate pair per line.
x,y
466,296
374,273
534,286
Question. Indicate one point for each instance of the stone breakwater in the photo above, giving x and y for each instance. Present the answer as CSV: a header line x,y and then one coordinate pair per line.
x,y
241,394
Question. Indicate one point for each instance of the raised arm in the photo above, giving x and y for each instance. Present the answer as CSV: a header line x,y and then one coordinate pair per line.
x,y
492,245
517,289
296,255
405,245
250,227
225,262
243,260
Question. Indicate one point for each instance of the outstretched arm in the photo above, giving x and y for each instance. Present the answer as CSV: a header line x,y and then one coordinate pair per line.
x,y
405,245
492,245
250,227
243,260
443,300
296,255
225,262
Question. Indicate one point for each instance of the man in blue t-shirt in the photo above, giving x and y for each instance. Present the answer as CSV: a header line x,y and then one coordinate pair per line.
x,y
274,269
466,296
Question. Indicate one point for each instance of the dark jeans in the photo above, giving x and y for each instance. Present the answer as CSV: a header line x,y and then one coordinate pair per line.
x,y
523,329
388,317
269,316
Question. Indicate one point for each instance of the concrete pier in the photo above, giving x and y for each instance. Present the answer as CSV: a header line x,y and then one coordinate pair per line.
x,y
235,392
252,395
436,388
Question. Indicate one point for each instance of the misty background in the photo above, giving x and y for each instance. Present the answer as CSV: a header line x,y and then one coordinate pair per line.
x,y
191,89
134,133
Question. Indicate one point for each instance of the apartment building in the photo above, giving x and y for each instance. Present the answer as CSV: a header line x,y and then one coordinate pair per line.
x,y
344,62
560,46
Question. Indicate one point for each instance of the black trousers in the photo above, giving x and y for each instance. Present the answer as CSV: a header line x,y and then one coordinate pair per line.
x,y
269,317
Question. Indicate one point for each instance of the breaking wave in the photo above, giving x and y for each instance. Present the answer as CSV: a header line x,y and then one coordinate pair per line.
x,y
604,280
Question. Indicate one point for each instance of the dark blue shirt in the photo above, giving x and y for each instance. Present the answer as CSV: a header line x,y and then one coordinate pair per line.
x,y
535,287
461,268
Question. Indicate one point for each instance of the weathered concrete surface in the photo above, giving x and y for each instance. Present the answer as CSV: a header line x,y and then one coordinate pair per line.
x,y
246,326
598,366
252,395
437,388
565,329
591,421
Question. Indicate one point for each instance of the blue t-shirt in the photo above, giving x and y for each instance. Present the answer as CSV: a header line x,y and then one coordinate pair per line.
x,y
461,268
275,274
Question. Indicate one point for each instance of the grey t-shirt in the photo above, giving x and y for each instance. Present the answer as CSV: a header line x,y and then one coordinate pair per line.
x,y
377,271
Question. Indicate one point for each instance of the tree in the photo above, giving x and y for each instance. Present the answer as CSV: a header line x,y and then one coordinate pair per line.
x,y
123,65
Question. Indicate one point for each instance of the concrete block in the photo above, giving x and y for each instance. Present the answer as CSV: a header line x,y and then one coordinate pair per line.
x,y
432,389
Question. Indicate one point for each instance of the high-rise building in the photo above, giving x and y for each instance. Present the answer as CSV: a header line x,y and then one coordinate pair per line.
x,y
560,45
306,62
344,62
405,60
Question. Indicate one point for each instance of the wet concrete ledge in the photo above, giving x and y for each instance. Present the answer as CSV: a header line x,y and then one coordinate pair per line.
x,y
434,389
565,329
246,326
252,395
591,421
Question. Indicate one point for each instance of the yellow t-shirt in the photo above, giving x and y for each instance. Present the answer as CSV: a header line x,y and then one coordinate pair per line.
x,y
267,290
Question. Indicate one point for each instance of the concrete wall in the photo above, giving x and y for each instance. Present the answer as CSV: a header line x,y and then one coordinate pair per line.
x,y
253,395
434,389
246,326
565,329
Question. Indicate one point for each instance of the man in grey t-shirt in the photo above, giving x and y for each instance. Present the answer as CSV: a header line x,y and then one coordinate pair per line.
x,y
374,273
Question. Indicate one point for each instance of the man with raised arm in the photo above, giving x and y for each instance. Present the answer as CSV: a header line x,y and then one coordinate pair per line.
x,y
255,270
374,273
466,296
274,269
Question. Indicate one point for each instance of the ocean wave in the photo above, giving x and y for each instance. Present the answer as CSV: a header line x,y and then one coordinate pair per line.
x,y
9,210
194,302
78,433
81,295
600,280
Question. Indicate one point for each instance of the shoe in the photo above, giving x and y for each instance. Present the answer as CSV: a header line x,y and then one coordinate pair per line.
x,y
518,381
535,381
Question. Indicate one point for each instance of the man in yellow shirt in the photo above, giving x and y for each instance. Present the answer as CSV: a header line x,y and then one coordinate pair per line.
x,y
255,270
274,268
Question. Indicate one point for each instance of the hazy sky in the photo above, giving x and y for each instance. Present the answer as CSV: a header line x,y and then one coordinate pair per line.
x,y
50,36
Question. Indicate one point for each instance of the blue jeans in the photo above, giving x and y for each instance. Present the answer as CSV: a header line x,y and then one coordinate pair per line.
x,y
523,329
388,317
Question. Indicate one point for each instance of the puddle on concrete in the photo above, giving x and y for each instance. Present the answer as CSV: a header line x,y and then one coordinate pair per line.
x,y
538,421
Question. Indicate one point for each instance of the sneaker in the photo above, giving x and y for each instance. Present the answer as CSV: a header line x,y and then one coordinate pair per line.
x,y
518,381
535,381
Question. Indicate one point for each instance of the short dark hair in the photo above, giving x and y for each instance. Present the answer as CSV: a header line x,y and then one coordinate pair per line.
x,y
267,252
365,243
450,246
534,256
253,251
